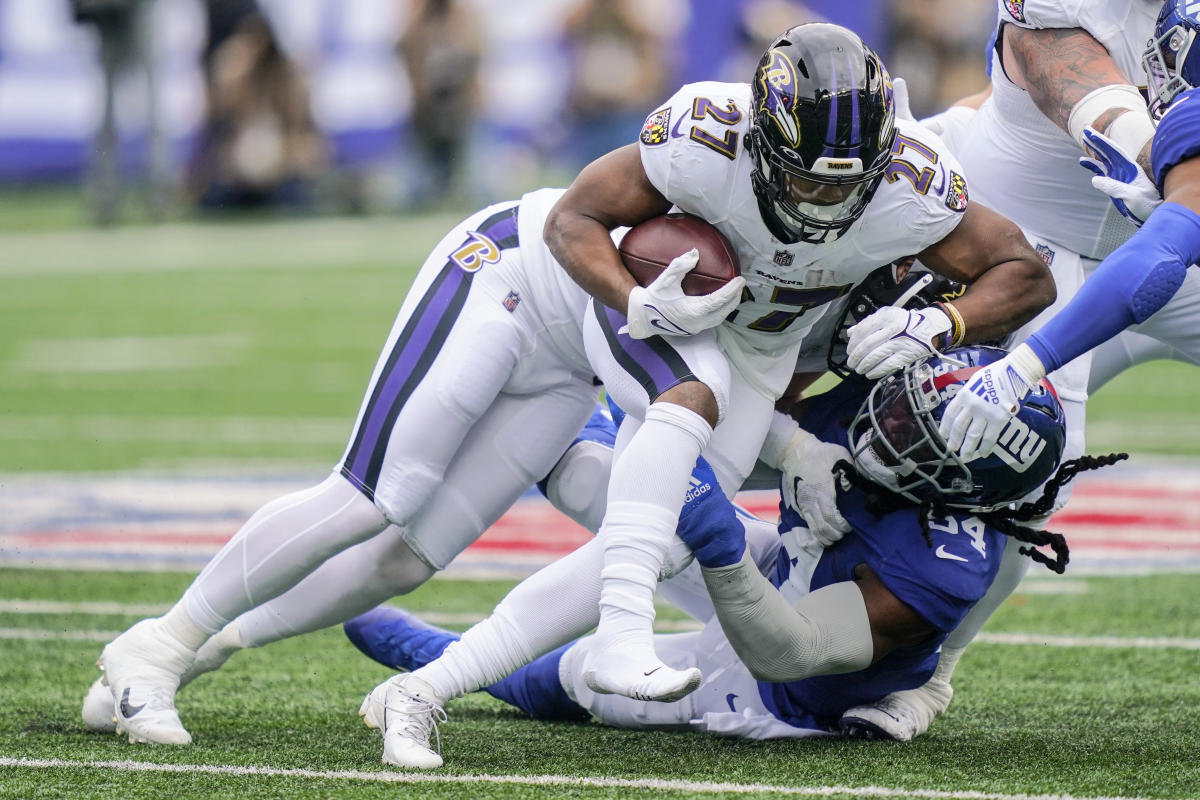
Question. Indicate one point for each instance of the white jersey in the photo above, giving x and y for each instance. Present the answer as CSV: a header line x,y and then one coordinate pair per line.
x,y
693,150
1026,167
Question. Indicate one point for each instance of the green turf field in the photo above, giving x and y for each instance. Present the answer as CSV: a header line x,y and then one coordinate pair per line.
x,y
247,346
1117,717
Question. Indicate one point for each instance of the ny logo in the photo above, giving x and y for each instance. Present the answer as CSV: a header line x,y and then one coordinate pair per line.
x,y
1019,446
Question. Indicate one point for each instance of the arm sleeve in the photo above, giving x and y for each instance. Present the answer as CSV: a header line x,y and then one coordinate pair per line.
x,y
1131,284
825,633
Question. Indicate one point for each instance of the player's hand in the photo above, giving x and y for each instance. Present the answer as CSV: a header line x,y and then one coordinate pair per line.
x,y
892,338
809,486
708,524
1120,177
900,97
662,309
979,413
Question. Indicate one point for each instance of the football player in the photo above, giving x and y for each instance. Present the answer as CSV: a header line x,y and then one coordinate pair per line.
x,y
1057,69
1142,275
801,638
490,369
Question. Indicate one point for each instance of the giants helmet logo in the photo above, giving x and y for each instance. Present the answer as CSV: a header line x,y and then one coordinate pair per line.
x,y
1019,446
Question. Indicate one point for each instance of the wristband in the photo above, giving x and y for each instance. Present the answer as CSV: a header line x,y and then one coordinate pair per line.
x,y
958,328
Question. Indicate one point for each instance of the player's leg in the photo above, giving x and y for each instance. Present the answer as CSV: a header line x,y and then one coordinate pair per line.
x,y
452,349
505,451
673,392
578,484
1123,351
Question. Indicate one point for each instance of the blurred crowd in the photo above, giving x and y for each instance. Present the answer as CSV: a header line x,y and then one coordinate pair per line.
x,y
499,97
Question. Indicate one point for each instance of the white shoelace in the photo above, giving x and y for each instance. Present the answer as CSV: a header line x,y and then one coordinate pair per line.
x,y
414,716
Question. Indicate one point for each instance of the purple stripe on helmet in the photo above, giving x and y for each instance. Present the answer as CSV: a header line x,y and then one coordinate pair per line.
x,y
831,132
855,123
392,384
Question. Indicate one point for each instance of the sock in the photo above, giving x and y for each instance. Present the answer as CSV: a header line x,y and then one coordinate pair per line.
x,y
180,625
649,480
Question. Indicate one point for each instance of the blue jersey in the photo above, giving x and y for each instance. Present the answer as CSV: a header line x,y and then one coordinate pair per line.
x,y
940,582
1177,137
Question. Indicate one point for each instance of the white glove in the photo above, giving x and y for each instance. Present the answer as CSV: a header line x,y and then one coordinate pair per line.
x,y
892,338
809,486
1120,177
662,309
979,413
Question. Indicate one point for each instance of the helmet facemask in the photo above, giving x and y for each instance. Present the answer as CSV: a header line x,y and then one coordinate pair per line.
x,y
1169,71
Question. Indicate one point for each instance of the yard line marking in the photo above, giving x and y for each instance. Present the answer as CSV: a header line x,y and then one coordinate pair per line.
x,y
654,784
1138,642
464,618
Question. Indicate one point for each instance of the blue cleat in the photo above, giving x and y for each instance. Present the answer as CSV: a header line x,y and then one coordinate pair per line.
x,y
397,638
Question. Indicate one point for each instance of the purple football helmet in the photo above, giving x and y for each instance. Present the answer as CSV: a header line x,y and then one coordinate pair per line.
x,y
1171,62
822,132
895,442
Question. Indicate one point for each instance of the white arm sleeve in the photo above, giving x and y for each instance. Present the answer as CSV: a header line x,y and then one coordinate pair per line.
x,y
825,633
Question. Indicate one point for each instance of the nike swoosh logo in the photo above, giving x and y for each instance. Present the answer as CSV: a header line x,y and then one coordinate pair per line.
x,y
942,552
729,698
654,323
675,132
127,710
651,672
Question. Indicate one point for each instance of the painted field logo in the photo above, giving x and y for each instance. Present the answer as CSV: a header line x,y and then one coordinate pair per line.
x,y
1019,446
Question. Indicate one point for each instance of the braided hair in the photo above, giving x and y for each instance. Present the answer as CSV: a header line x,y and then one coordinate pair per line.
x,y
880,501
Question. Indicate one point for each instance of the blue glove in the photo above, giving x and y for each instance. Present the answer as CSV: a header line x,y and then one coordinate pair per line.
x,y
708,524
1119,176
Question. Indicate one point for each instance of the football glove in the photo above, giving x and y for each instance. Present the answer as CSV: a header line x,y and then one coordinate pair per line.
x,y
892,338
979,413
1120,177
809,486
900,98
708,523
662,309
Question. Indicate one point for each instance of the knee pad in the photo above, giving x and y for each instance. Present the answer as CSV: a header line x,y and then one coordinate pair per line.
x,y
578,484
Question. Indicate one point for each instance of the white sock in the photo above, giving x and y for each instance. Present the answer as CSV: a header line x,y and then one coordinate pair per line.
x,y
281,543
555,605
650,478
179,625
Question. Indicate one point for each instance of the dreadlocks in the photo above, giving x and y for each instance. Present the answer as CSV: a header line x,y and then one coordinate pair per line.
x,y
881,501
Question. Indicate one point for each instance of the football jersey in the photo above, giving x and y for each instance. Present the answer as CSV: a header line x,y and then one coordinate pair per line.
x,y
1025,166
1178,136
940,580
694,152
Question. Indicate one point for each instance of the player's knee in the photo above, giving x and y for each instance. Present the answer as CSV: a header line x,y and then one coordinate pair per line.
x,y
404,489
399,570
578,484
698,397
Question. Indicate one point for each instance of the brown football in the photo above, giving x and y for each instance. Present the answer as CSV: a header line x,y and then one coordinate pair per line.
x,y
649,247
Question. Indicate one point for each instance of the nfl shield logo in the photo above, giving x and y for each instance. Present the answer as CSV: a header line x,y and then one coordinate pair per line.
x,y
512,301
1046,253
783,258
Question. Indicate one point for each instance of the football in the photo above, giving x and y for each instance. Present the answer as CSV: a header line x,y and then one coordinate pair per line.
x,y
649,247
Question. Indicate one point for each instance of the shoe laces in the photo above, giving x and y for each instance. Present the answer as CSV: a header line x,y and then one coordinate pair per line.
x,y
415,717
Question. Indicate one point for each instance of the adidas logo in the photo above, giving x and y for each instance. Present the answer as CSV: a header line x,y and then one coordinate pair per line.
x,y
696,489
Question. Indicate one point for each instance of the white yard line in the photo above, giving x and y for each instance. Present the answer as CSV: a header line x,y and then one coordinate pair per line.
x,y
652,784
35,607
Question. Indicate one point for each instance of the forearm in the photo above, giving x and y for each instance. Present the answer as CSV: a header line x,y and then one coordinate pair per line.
x,y
1004,298
1130,285
584,248
1075,82
827,632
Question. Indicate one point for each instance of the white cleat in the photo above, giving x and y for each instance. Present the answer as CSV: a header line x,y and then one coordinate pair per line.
x,y
609,673
141,669
407,710
98,708
901,716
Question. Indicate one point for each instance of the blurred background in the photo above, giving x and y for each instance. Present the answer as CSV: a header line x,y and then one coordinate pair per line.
x,y
153,109
210,210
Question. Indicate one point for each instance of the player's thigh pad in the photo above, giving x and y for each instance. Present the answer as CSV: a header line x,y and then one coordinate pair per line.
x,y
515,442
453,348
636,371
